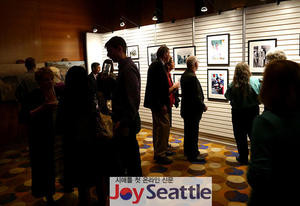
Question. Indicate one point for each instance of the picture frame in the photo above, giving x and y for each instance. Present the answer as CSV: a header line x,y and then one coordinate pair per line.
x,y
217,84
133,51
180,55
176,78
137,64
151,53
257,50
218,50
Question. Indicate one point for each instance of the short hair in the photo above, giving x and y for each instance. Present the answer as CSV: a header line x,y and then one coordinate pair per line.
x,y
162,51
191,62
30,63
275,54
115,42
95,65
40,73
280,88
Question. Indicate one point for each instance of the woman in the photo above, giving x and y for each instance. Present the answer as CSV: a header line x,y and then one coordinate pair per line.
x,y
79,119
41,106
173,95
243,96
274,135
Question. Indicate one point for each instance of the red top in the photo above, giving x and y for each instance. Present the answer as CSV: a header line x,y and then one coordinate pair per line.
x,y
171,95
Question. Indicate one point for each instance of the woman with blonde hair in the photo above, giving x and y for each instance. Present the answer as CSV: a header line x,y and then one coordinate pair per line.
x,y
243,93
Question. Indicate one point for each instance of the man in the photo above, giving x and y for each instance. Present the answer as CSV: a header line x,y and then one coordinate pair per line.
x,y
93,81
125,106
192,107
157,99
26,85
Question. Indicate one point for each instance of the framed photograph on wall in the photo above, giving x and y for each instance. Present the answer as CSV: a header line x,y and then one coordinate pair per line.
x,y
217,83
176,78
180,55
257,50
151,52
133,51
218,50
137,64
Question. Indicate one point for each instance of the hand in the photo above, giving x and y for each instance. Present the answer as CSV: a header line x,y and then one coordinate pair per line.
x,y
164,109
176,85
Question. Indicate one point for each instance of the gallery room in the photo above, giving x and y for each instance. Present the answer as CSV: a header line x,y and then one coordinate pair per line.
x,y
148,91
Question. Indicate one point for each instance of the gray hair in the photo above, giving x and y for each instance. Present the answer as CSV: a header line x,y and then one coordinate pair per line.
x,y
275,54
191,62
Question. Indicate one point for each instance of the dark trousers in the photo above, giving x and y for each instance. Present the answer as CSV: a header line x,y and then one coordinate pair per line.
x,y
191,130
242,121
129,153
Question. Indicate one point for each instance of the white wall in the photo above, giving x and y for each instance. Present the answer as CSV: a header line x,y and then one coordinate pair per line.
x,y
94,49
267,21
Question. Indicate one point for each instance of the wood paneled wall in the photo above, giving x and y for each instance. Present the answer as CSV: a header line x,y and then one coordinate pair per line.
x,y
46,30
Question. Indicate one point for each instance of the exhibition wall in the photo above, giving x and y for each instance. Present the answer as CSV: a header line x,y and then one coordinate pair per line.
x,y
270,21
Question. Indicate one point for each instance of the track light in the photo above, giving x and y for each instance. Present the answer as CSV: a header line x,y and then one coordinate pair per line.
x,y
123,19
203,9
95,30
154,18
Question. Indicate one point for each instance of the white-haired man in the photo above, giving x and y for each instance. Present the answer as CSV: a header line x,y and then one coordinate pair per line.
x,y
192,107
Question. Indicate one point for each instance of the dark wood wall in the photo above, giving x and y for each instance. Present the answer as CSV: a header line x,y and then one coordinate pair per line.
x,y
46,30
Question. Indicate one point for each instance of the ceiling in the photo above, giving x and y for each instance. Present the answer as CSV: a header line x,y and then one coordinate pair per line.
x,y
140,12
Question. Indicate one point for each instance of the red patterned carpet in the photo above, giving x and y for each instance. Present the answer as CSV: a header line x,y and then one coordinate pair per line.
x,y
230,187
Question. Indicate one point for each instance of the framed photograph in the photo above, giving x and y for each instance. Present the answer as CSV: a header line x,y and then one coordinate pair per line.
x,y
151,52
133,51
176,78
257,50
137,64
180,55
218,50
217,83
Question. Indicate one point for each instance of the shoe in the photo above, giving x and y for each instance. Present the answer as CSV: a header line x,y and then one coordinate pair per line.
x,y
241,162
163,160
170,153
199,158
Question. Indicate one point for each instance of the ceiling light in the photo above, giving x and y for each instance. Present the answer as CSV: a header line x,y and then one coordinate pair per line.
x,y
95,30
204,9
122,23
154,18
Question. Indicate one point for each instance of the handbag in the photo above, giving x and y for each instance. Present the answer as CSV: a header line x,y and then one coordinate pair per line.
x,y
104,126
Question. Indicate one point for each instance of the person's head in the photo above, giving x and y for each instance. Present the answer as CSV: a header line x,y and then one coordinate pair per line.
x,y
95,67
116,48
192,63
275,54
163,53
76,78
30,64
241,77
57,75
44,77
280,88
170,65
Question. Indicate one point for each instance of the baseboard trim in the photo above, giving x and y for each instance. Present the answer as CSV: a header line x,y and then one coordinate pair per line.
x,y
202,135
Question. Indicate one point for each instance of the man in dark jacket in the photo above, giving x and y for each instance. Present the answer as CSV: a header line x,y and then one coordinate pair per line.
x,y
192,107
125,106
92,77
157,99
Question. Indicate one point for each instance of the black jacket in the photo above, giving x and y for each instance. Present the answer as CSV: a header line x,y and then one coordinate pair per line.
x,y
157,88
192,102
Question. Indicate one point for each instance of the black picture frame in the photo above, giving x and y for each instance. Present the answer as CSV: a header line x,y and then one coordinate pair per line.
x,y
151,53
215,57
216,90
175,79
257,61
180,55
133,52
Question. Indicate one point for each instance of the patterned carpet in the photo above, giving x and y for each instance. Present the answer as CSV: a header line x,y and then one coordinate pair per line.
x,y
229,178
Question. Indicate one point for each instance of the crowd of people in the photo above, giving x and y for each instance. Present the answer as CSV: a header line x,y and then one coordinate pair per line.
x,y
72,111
